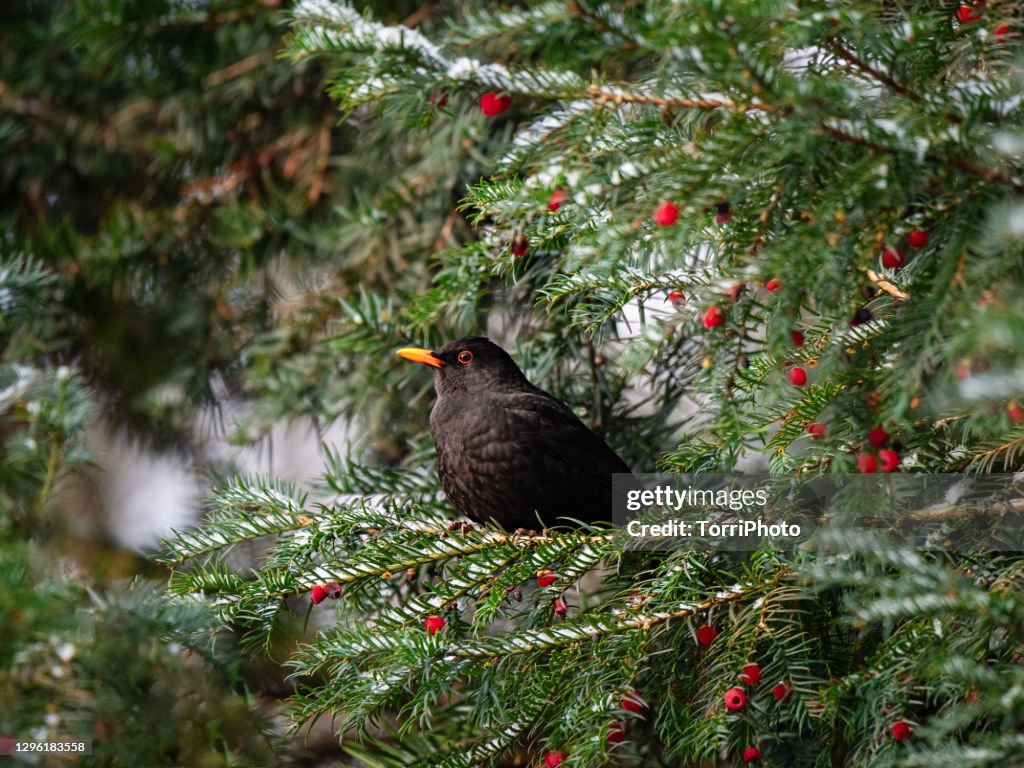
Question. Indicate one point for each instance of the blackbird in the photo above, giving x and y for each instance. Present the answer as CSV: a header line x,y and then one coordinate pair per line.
x,y
508,451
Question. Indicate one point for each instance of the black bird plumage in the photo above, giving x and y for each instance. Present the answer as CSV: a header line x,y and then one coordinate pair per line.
x,y
507,451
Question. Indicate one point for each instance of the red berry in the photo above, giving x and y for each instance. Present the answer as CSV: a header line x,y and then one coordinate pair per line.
x,y
900,731
773,285
750,754
491,104
797,376
545,579
878,436
616,733
632,702
733,294
676,297
918,238
867,463
782,692
751,674
439,99
706,634
434,624
890,459
561,609
816,430
798,338
666,214
318,595
520,246
553,759
966,13
557,198
334,590
1001,32
892,258
713,317
735,699
1015,412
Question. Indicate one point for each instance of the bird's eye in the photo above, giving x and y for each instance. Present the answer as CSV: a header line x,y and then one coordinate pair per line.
x,y
465,357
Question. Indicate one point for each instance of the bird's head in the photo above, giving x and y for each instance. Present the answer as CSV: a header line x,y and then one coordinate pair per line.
x,y
471,364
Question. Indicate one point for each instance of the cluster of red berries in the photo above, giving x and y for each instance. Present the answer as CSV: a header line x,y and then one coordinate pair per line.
x,y
715,316
892,258
887,459
667,213
631,702
966,14
736,699
321,592
797,376
520,246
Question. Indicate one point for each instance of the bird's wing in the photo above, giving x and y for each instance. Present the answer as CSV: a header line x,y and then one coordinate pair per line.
x,y
553,429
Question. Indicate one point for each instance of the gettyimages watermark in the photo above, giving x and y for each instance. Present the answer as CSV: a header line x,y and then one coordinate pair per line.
x,y
748,512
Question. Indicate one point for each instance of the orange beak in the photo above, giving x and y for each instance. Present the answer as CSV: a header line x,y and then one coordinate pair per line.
x,y
424,356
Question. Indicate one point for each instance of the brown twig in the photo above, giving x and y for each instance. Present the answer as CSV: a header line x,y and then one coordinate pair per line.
x,y
877,74
957,161
446,230
942,511
767,213
238,69
595,92
420,15
886,286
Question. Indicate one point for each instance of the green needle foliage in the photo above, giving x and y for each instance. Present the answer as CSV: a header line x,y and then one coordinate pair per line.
x,y
82,658
798,143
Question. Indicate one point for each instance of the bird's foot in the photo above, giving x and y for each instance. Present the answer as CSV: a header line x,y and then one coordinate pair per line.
x,y
527,532
462,526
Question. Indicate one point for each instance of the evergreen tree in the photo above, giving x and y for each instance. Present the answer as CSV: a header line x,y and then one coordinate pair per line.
x,y
802,218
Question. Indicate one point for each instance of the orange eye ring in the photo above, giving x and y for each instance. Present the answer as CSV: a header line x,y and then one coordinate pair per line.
x,y
465,357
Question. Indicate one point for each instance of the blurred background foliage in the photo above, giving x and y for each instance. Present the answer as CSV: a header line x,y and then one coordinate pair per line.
x,y
197,241
188,190
173,195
